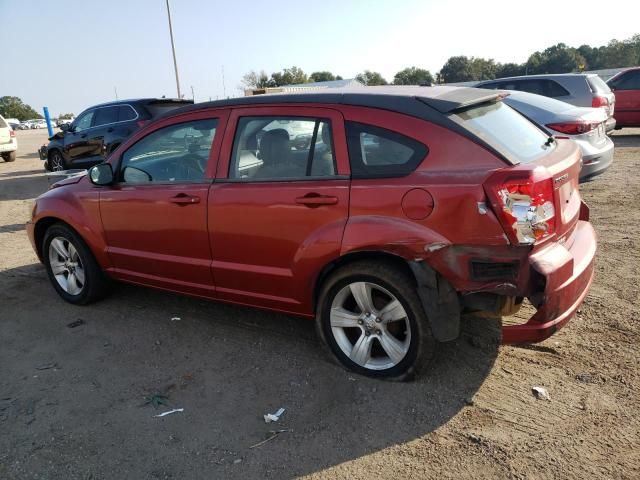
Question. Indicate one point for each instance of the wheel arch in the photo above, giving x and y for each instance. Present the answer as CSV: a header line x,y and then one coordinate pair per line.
x,y
439,299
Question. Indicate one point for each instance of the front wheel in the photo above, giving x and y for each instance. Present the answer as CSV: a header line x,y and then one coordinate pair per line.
x,y
370,316
71,267
56,161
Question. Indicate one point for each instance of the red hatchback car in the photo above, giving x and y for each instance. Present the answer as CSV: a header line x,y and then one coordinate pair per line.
x,y
626,87
383,213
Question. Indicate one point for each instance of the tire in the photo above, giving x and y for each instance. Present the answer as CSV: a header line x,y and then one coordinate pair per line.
x,y
403,330
56,161
9,156
78,278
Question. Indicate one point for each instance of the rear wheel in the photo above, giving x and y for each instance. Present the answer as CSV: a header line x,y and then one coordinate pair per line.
x,y
56,161
371,318
9,156
71,267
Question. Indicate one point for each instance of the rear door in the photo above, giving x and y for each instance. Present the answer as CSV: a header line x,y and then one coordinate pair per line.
x,y
627,92
155,215
279,204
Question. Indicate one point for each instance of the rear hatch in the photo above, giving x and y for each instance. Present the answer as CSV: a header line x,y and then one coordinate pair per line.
x,y
5,132
536,196
602,94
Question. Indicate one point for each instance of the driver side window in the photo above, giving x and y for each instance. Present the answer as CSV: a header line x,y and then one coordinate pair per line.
x,y
84,121
177,153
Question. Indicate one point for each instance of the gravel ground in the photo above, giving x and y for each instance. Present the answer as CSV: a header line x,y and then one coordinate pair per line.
x,y
72,400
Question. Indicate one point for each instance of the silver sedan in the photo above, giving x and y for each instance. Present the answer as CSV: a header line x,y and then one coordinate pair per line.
x,y
585,125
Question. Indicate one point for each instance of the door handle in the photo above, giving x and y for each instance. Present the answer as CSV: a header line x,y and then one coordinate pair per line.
x,y
315,200
110,129
184,199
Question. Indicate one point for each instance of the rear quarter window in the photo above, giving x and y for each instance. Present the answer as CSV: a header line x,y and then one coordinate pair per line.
x,y
376,152
597,85
504,129
3,124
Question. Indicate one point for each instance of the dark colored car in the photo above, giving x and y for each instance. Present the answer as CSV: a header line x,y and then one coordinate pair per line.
x,y
99,130
626,87
408,205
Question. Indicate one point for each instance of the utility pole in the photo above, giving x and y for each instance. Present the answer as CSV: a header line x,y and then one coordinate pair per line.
x,y
116,91
224,89
173,49
193,95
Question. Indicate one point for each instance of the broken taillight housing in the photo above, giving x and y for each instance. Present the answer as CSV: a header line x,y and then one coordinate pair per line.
x,y
526,209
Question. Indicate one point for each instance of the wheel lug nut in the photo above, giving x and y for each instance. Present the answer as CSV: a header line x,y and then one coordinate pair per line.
x,y
378,332
360,322
367,333
378,320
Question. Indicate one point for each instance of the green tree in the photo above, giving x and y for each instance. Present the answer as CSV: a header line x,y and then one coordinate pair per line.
x,y
12,107
509,70
457,69
323,76
65,116
288,76
556,59
255,79
413,76
370,78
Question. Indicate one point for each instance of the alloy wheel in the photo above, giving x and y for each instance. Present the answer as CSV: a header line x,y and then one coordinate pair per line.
x,y
66,265
57,164
370,325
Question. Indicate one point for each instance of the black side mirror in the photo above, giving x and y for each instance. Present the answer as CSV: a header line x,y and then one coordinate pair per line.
x,y
101,174
65,127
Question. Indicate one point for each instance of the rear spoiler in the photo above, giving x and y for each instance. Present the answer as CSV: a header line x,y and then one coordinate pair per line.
x,y
461,99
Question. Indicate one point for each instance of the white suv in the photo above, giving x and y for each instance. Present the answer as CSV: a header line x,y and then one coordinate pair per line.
x,y
8,141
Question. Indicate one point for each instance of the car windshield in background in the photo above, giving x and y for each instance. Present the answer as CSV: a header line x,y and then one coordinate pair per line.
x,y
506,130
598,85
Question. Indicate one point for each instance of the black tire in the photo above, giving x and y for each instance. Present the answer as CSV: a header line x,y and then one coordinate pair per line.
x,y
9,156
422,346
96,285
56,161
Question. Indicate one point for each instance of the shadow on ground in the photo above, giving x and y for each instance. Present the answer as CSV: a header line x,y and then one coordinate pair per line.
x,y
14,187
83,414
622,140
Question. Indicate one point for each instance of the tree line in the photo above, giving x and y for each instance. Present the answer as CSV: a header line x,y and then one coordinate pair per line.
x,y
558,58
13,107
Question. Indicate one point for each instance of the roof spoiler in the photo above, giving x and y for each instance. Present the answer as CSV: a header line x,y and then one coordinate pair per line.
x,y
461,99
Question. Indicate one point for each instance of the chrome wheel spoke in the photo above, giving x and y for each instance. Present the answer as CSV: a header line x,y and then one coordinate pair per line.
x,y
79,272
58,246
343,318
73,253
393,311
72,284
361,292
58,268
393,347
361,352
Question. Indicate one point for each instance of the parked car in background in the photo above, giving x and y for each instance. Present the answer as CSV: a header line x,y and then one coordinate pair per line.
x,y
8,141
24,125
64,121
99,130
579,89
39,124
13,122
626,87
584,125
368,228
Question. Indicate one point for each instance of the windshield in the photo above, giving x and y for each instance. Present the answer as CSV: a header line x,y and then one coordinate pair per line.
x,y
506,130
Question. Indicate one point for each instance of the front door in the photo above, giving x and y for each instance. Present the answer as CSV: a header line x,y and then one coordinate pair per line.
x,y
627,91
155,216
76,140
279,205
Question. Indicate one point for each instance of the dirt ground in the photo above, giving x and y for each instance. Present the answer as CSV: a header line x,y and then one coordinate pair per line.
x,y
72,400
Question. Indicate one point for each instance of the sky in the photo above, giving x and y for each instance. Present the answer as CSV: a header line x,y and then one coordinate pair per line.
x,y
69,55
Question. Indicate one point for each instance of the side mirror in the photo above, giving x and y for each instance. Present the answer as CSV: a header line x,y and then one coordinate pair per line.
x,y
65,127
101,174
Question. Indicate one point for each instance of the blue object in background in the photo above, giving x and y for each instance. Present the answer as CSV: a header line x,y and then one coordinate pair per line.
x,y
48,120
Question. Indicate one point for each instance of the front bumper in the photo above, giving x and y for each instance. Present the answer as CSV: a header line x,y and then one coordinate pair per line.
x,y
568,274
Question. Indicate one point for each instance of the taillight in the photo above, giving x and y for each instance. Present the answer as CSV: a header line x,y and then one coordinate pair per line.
x,y
12,132
573,128
599,101
525,208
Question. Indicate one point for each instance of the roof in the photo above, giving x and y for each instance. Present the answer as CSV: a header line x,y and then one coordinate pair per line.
x,y
540,75
345,82
141,100
410,100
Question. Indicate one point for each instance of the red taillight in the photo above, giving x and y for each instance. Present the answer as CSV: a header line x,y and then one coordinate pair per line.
x,y
141,123
573,128
12,132
525,208
598,101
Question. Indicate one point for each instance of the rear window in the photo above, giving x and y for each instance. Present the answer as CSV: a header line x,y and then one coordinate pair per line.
x,y
597,85
158,108
504,129
3,124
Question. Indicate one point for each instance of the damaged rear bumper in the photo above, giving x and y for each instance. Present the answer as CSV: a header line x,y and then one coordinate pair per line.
x,y
568,274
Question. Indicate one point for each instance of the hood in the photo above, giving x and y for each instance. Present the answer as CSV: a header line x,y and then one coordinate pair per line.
x,y
67,178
